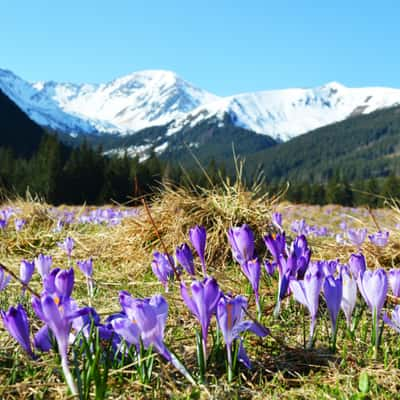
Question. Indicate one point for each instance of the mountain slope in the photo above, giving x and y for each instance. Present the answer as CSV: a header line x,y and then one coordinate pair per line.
x,y
208,140
17,131
360,147
153,98
284,114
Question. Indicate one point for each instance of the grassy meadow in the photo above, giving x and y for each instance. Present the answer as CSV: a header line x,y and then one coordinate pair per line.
x,y
282,367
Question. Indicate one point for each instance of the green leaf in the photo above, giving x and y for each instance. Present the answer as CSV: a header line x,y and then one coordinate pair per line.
x,y
363,382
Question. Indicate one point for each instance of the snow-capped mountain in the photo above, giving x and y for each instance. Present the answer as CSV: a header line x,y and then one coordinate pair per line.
x,y
284,114
125,105
152,98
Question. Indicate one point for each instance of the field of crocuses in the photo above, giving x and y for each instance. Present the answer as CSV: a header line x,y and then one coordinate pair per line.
x,y
147,303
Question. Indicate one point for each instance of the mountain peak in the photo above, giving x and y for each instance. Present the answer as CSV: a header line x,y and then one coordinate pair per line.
x,y
157,97
334,85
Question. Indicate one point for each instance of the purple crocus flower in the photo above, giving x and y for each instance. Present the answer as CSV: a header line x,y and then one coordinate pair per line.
x,y
349,297
277,220
26,271
394,281
230,316
276,244
49,281
151,317
86,266
252,270
42,339
4,279
299,227
287,269
357,236
270,267
357,265
19,224
307,293
329,267
145,320
67,245
185,257
202,303
198,236
393,322
16,322
333,291
64,283
162,269
58,317
379,239
302,253
374,287
241,240
43,264
128,330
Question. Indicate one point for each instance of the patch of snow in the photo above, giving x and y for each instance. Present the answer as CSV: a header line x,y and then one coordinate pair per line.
x,y
161,148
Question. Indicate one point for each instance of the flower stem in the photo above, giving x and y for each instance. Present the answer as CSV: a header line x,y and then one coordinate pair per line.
x,y
229,356
334,335
68,376
258,306
204,343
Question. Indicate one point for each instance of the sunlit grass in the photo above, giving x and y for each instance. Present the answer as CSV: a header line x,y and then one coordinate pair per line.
x,y
282,367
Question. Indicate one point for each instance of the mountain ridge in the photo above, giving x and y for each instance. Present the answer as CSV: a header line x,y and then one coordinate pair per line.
x,y
129,104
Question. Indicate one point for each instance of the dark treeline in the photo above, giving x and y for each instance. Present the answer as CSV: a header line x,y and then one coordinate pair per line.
x,y
60,174
371,192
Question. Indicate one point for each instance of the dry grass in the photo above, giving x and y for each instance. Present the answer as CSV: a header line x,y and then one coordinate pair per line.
x,y
122,256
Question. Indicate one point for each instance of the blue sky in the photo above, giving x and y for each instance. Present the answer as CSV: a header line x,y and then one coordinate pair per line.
x,y
223,46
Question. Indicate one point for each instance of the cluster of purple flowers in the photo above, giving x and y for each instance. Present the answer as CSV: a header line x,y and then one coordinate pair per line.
x,y
204,298
300,227
356,237
98,216
5,217
142,321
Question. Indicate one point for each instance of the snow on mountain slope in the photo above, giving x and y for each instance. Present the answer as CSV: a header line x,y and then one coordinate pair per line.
x,y
125,105
155,97
41,108
284,114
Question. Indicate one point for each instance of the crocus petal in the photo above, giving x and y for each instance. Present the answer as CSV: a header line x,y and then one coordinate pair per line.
x,y
333,291
375,287
43,264
127,329
242,356
188,301
17,324
58,325
212,294
394,281
26,271
241,240
357,265
42,340
185,258
349,295
64,282
197,236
